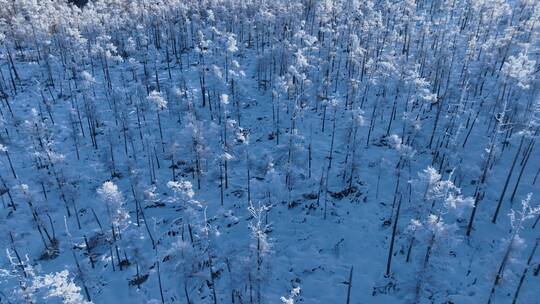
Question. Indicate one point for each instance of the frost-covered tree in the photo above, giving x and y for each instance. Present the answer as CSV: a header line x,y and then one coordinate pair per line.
x,y
295,292
259,263
59,285
114,202
160,103
514,242
118,217
435,226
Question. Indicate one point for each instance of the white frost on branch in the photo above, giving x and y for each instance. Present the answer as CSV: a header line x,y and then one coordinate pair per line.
x,y
87,77
458,203
231,44
396,143
519,68
258,228
59,285
184,188
224,99
517,218
109,192
113,198
290,299
158,100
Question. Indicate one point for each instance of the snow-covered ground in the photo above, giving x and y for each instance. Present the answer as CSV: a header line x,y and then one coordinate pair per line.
x,y
269,152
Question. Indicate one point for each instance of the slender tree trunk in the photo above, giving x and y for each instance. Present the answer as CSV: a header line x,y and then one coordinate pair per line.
x,y
509,175
394,230
349,286
524,274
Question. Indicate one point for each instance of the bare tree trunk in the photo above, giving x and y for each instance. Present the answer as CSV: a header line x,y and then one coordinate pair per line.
x,y
349,286
525,161
522,278
21,264
509,175
394,230
159,280
502,266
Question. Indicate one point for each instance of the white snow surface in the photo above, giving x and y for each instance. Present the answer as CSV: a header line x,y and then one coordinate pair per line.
x,y
295,230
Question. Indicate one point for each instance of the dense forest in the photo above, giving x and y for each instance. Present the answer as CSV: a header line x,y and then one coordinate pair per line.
x,y
269,151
